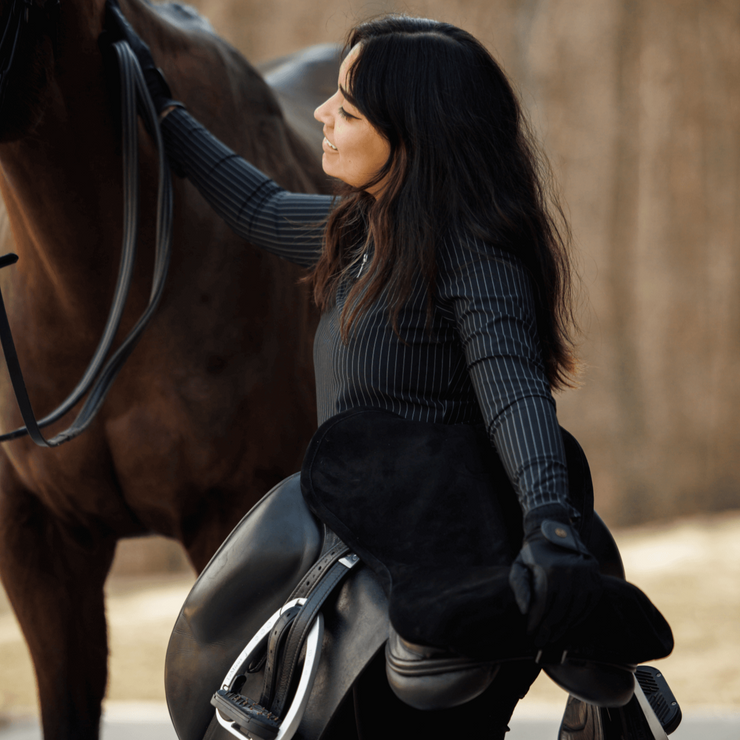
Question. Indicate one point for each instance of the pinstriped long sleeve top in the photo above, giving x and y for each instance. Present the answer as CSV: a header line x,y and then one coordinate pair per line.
x,y
481,363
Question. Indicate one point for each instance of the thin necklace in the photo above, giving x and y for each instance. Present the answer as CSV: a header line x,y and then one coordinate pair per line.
x,y
362,265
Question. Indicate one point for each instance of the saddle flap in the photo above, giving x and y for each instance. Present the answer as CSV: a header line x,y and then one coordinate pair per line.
x,y
249,578
251,575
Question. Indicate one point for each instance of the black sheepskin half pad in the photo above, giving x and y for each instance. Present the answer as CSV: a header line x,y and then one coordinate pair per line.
x,y
431,510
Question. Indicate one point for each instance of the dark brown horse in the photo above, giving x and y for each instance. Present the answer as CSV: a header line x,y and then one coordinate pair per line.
x,y
216,403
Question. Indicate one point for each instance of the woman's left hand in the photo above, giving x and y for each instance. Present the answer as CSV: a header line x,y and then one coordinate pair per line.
x,y
555,579
117,28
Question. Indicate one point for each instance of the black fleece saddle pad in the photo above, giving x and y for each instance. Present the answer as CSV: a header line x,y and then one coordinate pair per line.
x,y
430,509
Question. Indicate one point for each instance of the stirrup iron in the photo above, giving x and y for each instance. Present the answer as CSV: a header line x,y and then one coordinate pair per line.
x,y
293,631
652,713
246,718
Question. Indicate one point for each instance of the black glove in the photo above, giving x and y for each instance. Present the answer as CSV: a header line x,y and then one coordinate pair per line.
x,y
117,28
555,579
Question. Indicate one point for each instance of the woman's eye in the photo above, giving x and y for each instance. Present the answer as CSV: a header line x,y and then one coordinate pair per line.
x,y
343,113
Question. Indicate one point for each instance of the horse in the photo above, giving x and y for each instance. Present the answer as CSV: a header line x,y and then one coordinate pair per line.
x,y
216,403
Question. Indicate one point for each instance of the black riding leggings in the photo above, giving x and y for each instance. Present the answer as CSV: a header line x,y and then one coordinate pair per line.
x,y
374,712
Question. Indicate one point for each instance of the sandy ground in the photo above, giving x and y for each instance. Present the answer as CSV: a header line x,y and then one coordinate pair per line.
x,y
690,569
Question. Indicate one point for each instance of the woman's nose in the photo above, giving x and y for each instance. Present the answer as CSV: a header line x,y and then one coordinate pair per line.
x,y
324,112
320,114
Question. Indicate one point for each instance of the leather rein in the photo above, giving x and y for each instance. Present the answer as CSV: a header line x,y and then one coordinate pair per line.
x,y
99,376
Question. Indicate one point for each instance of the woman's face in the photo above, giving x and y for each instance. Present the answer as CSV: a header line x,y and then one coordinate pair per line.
x,y
353,150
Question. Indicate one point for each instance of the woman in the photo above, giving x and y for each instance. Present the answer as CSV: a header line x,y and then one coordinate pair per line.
x,y
442,280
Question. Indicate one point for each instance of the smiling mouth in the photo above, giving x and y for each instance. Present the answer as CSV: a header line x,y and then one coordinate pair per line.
x,y
330,144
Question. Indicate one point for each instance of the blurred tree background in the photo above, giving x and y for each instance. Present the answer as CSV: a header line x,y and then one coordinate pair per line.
x,y
637,103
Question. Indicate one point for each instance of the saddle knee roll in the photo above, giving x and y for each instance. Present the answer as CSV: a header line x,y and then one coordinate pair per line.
x,y
429,678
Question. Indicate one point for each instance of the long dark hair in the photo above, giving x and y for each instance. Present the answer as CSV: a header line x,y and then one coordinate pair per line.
x,y
461,159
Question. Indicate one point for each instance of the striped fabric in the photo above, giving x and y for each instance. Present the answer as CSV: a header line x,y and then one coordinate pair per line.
x,y
479,364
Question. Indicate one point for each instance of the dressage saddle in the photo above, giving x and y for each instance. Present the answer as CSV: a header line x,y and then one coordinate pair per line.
x,y
283,590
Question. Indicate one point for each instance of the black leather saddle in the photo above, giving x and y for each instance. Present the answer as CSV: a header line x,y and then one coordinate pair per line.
x,y
238,599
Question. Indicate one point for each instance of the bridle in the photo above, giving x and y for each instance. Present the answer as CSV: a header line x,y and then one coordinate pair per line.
x,y
20,16
100,374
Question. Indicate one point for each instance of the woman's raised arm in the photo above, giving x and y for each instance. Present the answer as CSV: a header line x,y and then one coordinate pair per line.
x,y
289,225
254,206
